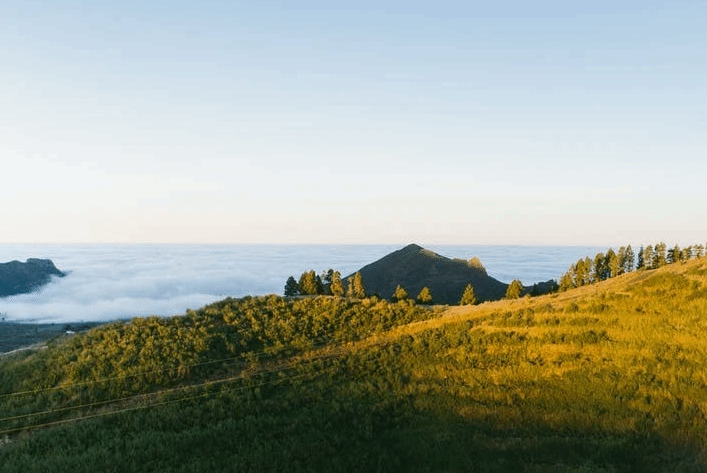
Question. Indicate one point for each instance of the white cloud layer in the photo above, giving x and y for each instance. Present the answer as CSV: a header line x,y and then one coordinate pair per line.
x,y
107,282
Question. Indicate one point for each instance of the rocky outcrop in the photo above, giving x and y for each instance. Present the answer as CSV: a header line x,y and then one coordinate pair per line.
x,y
21,278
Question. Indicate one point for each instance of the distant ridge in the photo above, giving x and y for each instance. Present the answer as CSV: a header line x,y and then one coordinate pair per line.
x,y
415,267
22,278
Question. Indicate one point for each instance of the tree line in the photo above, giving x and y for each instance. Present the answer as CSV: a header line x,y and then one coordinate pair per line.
x,y
615,263
329,283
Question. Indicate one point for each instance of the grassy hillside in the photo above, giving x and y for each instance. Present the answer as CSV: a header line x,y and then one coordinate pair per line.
x,y
608,377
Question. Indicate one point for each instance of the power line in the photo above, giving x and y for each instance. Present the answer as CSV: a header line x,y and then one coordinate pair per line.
x,y
163,392
257,354
159,404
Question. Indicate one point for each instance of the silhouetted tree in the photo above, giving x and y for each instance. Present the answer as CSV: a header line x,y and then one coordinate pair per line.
x,y
468,297
514,289
425,296
291,287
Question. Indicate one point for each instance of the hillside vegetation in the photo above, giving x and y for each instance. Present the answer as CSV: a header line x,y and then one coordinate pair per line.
x,y
606,377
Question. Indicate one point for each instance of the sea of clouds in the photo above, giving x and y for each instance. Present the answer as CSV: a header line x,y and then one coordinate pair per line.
x,y
107,282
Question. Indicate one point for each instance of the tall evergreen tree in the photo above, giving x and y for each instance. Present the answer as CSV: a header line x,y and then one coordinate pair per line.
x,y
468,297
629,259
599,267
566,282
580,273
611,264
291,287
309,283
686,253
648,257
589,270
337,287
673,255
641,263
621,254
514,289
358,291
659,257
699,251
326,279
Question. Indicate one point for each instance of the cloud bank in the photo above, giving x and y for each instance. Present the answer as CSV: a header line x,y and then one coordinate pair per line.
x,y
108,282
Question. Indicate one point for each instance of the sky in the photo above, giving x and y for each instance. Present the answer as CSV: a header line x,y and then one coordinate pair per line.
x,y
510,122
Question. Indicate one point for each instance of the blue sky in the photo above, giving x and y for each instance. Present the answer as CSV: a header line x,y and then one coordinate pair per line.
x,y
390,122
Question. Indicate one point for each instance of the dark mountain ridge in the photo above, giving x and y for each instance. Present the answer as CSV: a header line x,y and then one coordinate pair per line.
x,y
21,278
415,267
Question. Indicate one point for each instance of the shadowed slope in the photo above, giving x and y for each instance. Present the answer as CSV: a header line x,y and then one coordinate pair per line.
x,y
414,267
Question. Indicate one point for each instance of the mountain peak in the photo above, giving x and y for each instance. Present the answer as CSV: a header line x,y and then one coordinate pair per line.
x,y
415,267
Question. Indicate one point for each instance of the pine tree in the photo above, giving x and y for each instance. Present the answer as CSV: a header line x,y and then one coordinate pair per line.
x,y
566,282
400,294
673,255
589,271
425,296
308,283
611,264
336,288
291,287
599,267
641,263
659,258
514,289
686,253
326,279
648,257
580,270
468,298
699,251
629,259
358,290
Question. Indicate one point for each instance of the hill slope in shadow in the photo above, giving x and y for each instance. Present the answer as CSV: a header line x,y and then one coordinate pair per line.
x,y
414,267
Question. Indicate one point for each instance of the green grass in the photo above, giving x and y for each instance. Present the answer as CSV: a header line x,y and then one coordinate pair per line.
x,y
604,378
